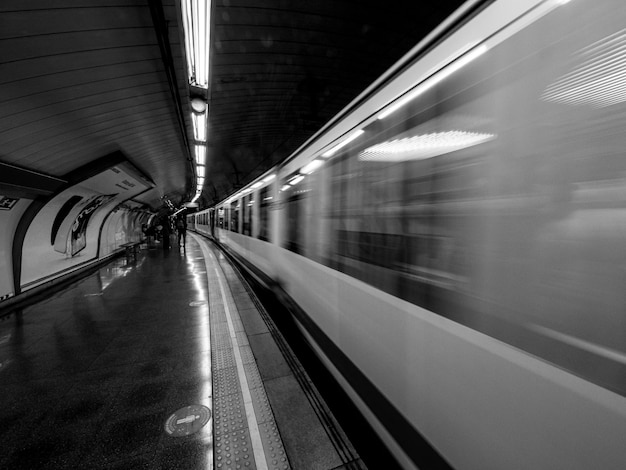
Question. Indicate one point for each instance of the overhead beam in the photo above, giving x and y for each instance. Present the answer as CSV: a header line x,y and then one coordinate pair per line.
x,y
19,182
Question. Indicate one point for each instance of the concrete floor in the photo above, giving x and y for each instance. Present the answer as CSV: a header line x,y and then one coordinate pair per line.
x,y
89,376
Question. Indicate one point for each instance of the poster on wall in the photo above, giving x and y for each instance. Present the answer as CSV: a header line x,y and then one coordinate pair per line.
x,y
76,239
65,234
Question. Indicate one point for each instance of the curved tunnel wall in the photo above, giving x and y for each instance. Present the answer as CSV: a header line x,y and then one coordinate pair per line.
x,y
9,219
83,223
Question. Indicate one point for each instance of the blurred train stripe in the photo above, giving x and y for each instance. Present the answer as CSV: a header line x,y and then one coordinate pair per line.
x,y
588,346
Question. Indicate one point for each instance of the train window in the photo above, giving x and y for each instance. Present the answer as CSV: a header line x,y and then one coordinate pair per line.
x,y
220,218
234,215
294,208
247,214
264,205
250,205
226,218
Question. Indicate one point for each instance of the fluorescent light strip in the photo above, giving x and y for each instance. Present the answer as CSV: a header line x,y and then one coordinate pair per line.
x,y
196,25
421,147
334,150
200,155
199,126
269,178
434,79
187,28
200,170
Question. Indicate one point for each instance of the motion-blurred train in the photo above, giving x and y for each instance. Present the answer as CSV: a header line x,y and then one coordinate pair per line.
x,y
456,238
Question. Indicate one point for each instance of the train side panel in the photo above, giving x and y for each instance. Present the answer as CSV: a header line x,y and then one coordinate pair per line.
x,y
481,403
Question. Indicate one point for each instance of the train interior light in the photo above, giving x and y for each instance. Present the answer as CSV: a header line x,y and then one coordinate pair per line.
x,y
311,167
296,180
421,147
599,77
269,178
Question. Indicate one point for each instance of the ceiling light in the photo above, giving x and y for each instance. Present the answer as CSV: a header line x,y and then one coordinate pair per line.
x,y
333,150
196,25
269,178
258,184
285,187
421,147
200,155
199,126
200,171
436,78
198,104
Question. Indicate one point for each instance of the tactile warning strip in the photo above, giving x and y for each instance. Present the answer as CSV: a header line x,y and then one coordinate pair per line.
x,y
223,358
233,451
274,450
233,364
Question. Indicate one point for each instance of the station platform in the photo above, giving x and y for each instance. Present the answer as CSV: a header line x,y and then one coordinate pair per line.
x,y
166,361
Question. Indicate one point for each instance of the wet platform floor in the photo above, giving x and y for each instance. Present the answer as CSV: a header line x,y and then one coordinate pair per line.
x,y
90,376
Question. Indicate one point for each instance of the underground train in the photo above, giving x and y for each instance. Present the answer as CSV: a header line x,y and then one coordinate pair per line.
x,y
456,240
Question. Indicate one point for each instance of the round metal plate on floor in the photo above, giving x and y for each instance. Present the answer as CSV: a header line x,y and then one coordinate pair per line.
x,y
187,420
197,303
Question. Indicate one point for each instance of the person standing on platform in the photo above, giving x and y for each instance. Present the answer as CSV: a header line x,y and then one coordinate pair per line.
x,y
181,226
166,234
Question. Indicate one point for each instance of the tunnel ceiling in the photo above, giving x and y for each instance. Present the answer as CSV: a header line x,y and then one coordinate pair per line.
x,y
81,79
